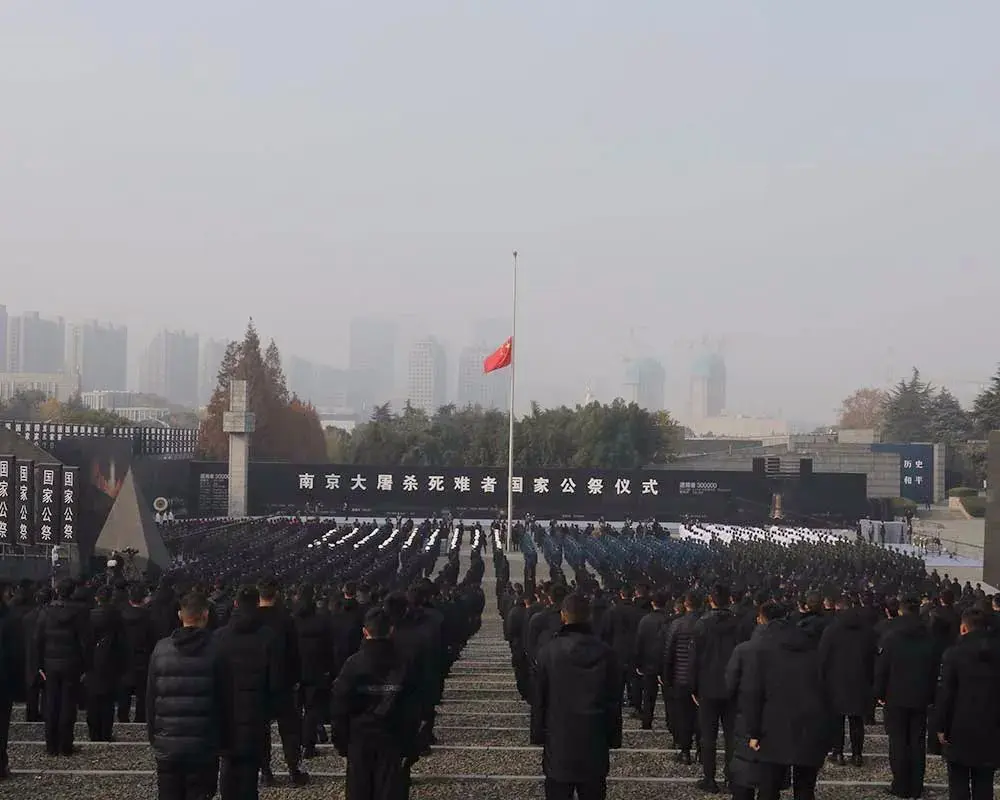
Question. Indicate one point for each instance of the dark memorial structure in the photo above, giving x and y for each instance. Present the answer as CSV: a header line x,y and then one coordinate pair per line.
x,y
991,534
584,494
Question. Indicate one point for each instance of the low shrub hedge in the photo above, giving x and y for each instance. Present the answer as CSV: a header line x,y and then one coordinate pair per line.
x,y
974,506
963,491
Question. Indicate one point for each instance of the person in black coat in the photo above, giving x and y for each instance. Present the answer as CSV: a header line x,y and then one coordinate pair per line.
x,y
545,624
906,674
787,712
716,635
139,636
10,678
576,711
744,767
847,664
59,654
315,643
967,710
105,661
620,625
185,711
676,675
515,631
249,662
376,712
649,654
274,616
34,686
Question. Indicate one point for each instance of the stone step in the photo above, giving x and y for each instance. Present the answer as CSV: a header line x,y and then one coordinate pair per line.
x,y
449,731
142,786
481,761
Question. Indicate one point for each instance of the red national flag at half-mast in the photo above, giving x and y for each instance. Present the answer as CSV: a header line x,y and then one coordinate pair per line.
x,y
501,358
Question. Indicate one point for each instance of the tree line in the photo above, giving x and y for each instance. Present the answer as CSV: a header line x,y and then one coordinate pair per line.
x,y
916,411
617,435
36,406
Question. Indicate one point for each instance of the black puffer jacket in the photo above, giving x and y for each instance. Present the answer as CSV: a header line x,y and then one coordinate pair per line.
x,y
346,623
249,662
315,642
678,656
715,637
61,637
184,700
847,661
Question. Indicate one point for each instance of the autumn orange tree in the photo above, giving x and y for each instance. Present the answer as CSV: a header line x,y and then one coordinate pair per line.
x,y
863,409
287,429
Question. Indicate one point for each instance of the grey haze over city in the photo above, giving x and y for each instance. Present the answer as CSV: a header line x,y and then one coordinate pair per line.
x,y
808,187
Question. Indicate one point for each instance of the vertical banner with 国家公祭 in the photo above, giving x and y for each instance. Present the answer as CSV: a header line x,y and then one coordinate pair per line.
x,y
48,486
6,500
70,499
24,496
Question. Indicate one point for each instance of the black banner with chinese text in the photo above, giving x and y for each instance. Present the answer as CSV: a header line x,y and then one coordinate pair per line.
x,y
70,500
48,485
583,494
24,488
7,510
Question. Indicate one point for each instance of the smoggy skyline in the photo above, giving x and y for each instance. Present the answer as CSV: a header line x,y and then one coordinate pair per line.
x,y
813,185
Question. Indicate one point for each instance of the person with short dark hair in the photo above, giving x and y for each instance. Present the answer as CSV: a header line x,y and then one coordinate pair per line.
x,y
716,636
906,673
967,709
576,710
59,655
185,715
847,660
677,677
649,652
376,714
250,664
275,616
105,662
139,633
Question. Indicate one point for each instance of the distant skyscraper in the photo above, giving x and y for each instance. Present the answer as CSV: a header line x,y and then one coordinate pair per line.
x,y
476,389
372,362
708,386
212,352
170,368
427,375
36,345
3,338
98,354
645,382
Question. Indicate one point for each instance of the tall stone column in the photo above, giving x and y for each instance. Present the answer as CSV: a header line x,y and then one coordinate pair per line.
x,y
239,423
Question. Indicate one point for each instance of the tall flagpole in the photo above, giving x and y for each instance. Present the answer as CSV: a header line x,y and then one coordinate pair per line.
x,y
510,442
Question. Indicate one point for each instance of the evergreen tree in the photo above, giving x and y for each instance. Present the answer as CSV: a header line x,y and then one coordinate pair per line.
x,y
908,411
948,421
986,410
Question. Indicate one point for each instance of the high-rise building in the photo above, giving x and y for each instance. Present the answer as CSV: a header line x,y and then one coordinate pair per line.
x,y
98,355
708,386
170,368
427,375
36,345
212,353
475,388
645,384
372,362
3,338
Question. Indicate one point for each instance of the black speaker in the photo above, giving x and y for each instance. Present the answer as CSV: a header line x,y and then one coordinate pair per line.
x,y
805,467
759,465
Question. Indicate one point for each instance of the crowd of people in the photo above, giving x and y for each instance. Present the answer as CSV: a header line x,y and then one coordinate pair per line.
x,y
781,646
212,656
784,644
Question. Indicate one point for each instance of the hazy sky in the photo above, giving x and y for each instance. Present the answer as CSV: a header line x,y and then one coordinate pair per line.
x,y
815,182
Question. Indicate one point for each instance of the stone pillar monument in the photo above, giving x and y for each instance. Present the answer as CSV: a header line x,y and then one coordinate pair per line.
x,y
239,423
